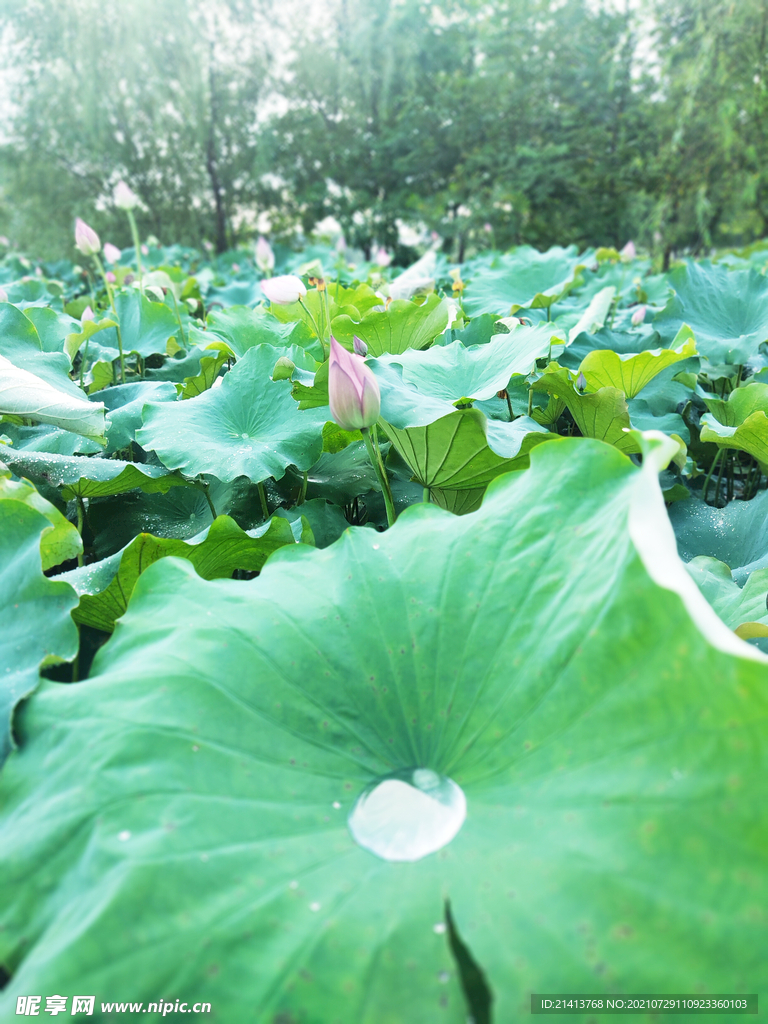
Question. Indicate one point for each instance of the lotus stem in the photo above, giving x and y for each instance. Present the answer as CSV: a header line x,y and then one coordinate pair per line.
x,y
375,456
263,499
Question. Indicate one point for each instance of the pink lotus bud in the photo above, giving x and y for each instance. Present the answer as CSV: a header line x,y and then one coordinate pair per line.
x,y
111,253
284,290
87,314
359,346
353,391
341,245
265,258
487,227
381,257
3,295
208,246
235,268
110,277
629,251
4,241
581,382
86,239
638,316
125,198
145,250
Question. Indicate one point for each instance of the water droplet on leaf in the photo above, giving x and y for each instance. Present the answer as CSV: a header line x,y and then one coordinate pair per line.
x,y
408,815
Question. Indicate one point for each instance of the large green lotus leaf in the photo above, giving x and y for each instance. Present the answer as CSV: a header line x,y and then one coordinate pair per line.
x,y
464,449
751,436
632,373
403,325
60,541
736,534
24,394
239,328
602,414
37,627
524,278
79,476
77,338
740,404
21,345
351,303
594,316
215,554
145,326
124,404
42,437
250,426
734,604
726,309
177,822
452,372
181,513
52,327
326,520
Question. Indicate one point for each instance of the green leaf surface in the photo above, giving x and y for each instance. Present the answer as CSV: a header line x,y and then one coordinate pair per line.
x,y
215,554
734,604
523,278
24,394
451,372
124,404
726,309
52,327
249,426
75,339
751,436
21,345
145,326
403,325
736,534
60,541
239,328
464,449
178,822
602,415
326,520
35,611
79,476
631,373
595,315
741,403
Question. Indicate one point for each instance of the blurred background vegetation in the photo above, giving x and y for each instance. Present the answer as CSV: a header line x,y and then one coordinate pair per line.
x,y
488,122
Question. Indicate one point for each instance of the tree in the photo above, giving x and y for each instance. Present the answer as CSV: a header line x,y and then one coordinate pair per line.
x,y
163,94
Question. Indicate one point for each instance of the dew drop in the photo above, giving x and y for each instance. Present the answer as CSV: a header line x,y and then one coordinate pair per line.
x,y
408,815
124,836
314,907
336,805
439,928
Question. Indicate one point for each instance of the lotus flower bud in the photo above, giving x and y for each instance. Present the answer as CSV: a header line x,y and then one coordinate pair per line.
x,y
111,253
265,258
87,314
581,382
145,250
629,251
3,295
381,257
125,198
284,368
4,241
110,277
284,290
86,239
638,316
359,346
353,391
235,268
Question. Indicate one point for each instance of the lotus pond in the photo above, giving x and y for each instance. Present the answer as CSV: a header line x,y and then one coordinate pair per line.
x,y
399,726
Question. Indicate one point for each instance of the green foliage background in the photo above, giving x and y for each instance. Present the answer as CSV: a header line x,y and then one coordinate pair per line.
x,y
515,121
